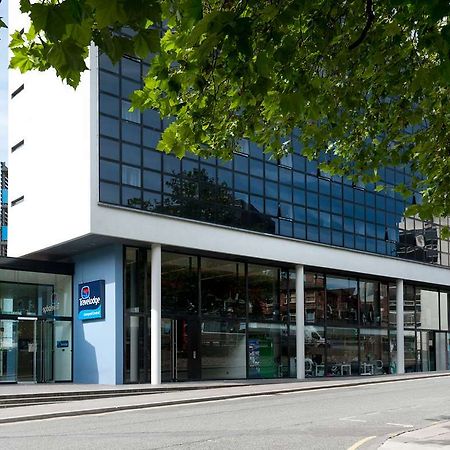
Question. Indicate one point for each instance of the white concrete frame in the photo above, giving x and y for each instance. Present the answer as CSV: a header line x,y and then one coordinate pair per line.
x,y
300,320
400,328
155,341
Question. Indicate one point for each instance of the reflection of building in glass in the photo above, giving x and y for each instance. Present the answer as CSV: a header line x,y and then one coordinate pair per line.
x,y
420,241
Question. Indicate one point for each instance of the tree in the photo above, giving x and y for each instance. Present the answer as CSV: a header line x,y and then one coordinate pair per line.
x,y
359,84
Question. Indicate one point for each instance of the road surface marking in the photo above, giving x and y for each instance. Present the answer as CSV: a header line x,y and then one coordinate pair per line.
x,y
361,442
400,425
352,419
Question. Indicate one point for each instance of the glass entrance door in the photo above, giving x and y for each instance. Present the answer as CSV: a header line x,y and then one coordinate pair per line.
x,y
44,351
26,351
180,350
427,346
8,351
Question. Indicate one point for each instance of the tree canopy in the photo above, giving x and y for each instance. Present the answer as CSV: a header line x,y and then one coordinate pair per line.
x,y
357,84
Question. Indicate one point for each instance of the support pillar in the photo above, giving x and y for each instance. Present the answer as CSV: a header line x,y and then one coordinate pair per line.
x,y
400,329
300,320
155,295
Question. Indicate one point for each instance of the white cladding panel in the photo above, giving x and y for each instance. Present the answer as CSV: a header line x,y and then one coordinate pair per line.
x,y
52,170
140,226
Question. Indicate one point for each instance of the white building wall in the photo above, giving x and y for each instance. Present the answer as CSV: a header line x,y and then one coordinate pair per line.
x,y
53,168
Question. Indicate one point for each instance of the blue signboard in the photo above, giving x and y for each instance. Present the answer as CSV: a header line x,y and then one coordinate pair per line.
x,y
91,300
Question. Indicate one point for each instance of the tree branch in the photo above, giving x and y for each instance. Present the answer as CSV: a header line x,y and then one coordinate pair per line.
x,y
370,19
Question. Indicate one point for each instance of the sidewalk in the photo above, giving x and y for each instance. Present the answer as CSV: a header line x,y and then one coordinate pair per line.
x,y
435,436
66,400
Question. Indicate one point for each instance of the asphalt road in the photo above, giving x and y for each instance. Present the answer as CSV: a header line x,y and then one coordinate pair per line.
x,y
327,419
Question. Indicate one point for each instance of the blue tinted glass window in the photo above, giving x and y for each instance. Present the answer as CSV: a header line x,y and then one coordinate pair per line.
x,y
152,159
188,165
285,228
299,163
300,230
151,200
325,202
349,240
359,212
131,176
311,167
312,183
105,63
312,216
109,105
109,193
325,219
325,236
271,172
131,69
241,163
271,189
257,203
360,243
225,177
349,225
109,148
286,210
312,200
324,186
299,197
370,199
313,233
299,214
360,227
271,207
349,209
337,206
151,118
128,87
4,233
241,182
359,196
257,186
299,180
285,193
131,197
337,238
131,154
256,168
171,164
285,175
348,193
336,222
336,190
109,171
371,245
152,180
131,133
109,127
109,83
151,138
370,214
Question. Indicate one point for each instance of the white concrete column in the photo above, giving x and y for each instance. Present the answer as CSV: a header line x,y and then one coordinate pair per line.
x,y
400,329
155,295
300,320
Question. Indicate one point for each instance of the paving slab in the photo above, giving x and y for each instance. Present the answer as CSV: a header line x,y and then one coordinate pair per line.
x,y
432,437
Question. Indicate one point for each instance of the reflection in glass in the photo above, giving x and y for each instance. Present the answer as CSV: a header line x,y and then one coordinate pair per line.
x,y
342,351
369,294
427,309
314,351
314,297
223,350
179,284
342,300
268,355
410,351
374,352
263,299
223,288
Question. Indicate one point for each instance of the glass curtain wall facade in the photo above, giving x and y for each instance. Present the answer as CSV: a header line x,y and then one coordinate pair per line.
x,y
288,197
35,327
226,319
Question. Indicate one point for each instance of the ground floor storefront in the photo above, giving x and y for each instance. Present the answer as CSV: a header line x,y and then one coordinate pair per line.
x,y
35,322
218,317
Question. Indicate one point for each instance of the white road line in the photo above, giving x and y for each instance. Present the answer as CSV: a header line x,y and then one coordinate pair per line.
x,y
400,425
351,419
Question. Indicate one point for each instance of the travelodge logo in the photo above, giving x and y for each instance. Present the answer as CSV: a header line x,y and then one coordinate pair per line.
x,y
85,292
91,303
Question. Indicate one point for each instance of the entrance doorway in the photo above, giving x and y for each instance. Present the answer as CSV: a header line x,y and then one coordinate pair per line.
x,y
180,350
27,350
427,348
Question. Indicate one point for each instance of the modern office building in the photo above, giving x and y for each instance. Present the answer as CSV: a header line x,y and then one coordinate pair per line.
x,y
204,269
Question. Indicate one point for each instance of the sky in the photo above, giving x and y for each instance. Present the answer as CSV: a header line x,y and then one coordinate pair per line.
x,y
3,84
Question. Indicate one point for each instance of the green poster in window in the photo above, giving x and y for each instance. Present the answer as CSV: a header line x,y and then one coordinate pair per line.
x,y
267,363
